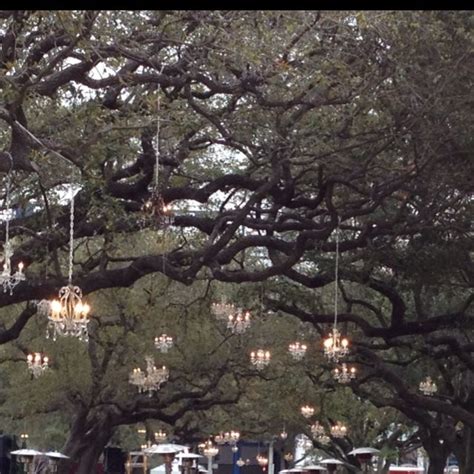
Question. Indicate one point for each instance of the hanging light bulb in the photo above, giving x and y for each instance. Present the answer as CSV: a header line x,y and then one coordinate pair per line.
x,y
428,387
260,358
234,448
8,279
283,434
307,411
68,315
150,381
164,343
209,450
339,430
345,374
297,350
335,346
239,323
37,364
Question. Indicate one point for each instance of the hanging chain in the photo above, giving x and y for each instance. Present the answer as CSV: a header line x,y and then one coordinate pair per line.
x,y
7,208
336,275
71,237
157,143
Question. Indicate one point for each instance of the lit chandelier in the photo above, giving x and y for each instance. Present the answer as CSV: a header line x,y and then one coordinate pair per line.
x,y
428,387
37,364
164,343
345,374
260,358
336,347
8,279
307,411
209,450
262,460
154,209
160,436
150,381
297,350
231,437
240,462
317,430
222,309
68,315
239,323
339,430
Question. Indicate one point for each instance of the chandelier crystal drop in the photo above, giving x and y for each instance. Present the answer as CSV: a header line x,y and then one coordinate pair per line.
x,y
335,346
155,210
160,436
260,358
345,374
339,430
37,364
68,315
239,322
222,309
164,343
297,350
150,381
428,387
307,411
8,279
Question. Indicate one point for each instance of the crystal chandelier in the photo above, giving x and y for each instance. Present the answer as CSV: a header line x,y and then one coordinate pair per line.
x,y
428,387
164,343
345,374
307,411
152,380
336,347
239,323
160,436
222,309
68,315
8,279
260,358
262,460
209,450
339,430
37,364
155,210
317,430
297,350
231,437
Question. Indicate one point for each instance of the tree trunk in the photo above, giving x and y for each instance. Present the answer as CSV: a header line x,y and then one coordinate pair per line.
x,y
464,451
437,461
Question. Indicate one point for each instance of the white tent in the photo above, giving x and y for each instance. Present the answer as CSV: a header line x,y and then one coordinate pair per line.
x,y
161,468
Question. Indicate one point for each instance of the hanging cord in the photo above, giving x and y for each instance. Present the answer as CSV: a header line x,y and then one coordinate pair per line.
x,y
71,236
157,143
336,274
7,208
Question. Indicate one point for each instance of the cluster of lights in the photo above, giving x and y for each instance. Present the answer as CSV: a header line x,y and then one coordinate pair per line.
x,y
67,315
297,350
307,411
344,374
8,279
37,364
260,358
335,347
155,209
428,387
339,430
319,433
164,343
262,460
222,310
150,381
160,436
210,450
231,437
239,322
240,462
